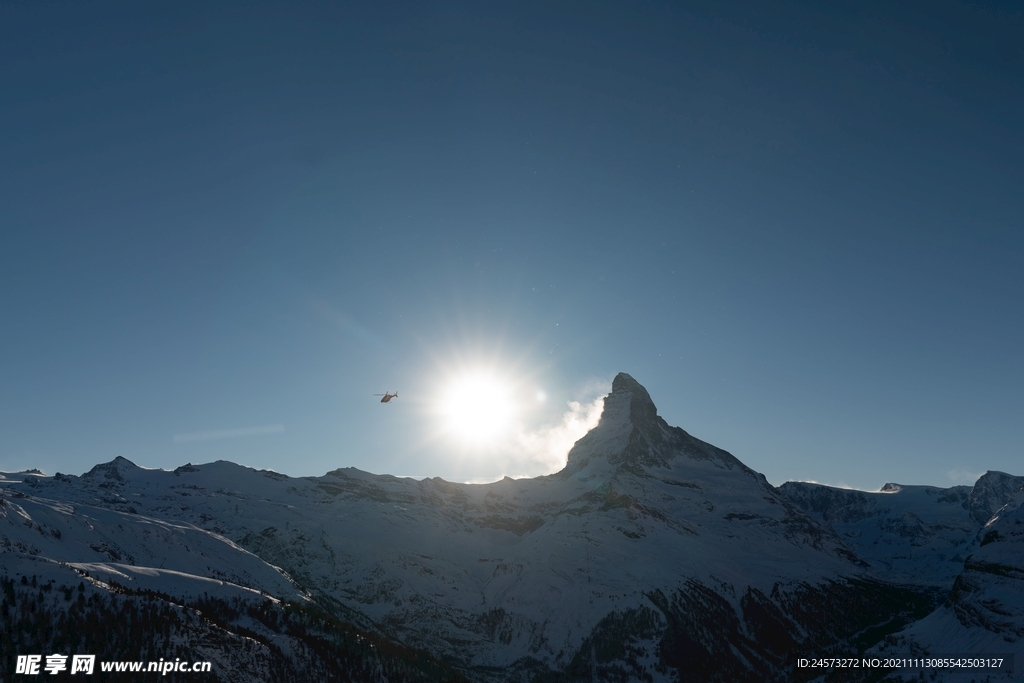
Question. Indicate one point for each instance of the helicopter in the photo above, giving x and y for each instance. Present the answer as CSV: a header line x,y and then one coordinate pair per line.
x,y
387,397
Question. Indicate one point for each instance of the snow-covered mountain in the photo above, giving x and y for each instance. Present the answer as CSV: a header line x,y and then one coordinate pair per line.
x,y
965,542
985,609
912,534
651,556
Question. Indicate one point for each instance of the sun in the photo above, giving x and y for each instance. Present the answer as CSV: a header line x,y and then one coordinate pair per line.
x,y
478,408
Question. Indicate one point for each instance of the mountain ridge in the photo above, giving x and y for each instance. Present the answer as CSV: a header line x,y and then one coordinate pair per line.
x,y
610,566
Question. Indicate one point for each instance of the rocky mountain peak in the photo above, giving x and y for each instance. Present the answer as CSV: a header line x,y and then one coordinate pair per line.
x,y
642,411
113,470
631,435
624,383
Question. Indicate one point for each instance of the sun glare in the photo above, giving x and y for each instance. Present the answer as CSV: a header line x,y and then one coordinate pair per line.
x,y
478,408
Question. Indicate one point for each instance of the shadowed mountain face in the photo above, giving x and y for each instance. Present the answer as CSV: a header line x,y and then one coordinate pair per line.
x,y
651,556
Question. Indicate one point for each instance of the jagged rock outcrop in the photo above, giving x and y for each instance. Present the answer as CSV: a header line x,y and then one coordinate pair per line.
x,y
990,493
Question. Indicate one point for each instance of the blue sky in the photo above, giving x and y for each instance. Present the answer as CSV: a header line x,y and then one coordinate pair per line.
x,y
226,226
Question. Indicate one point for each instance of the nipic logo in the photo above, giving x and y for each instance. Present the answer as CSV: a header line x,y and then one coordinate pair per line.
x,y
33,665
30,664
